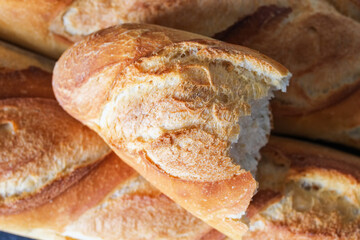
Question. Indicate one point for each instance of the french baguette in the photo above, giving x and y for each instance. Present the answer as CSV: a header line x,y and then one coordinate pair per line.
x,y
321,48
111,202
49,26
305,192
89,196
187,112
23,74
300,183
39,161
37,138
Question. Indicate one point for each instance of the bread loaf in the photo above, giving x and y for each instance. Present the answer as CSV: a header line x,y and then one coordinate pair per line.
x,y
301,181
321,48
51,26
111,202
23,74
305,192
187,112
81,199
39,161
38,156
349,8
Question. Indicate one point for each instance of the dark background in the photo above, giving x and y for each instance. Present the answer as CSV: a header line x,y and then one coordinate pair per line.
x,y
7,236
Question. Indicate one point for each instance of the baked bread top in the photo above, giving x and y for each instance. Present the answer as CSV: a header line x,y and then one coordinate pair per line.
x,y
24,74
42,150
318,45
178,107
306,191
111,202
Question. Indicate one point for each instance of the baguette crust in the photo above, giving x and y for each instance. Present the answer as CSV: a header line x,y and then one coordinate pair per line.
x,y
34,157
159,118
26,23
350,8
51,26
320,47
71,206
34,82
83,17
313,196
343,119
21,68
14,58
120,198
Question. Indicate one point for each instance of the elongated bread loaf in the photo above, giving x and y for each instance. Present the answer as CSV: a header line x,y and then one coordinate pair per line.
x,y
300,184
62,185
187,112
321,48
23,74
50,26
112,202
305,192
39,153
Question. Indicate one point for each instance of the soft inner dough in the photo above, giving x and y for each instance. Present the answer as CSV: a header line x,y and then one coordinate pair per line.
x,y
254,132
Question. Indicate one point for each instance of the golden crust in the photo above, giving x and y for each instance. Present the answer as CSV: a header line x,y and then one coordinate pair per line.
x,y
117,62
320,184
119,197
21,68
342,118
83,17
320,47
34,82
350,8
14,58
26,23
111,190
72,203
50,27
34,157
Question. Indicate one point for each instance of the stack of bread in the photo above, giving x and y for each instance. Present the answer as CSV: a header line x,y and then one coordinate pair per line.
x,y
159,119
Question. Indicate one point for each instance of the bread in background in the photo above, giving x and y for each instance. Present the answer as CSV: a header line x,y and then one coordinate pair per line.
x,y
49,27
24,74
350,8
111,202
321,48
306,191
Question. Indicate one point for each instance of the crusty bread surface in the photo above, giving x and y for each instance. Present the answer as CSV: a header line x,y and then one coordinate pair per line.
x,y
169,103
66,195
111,202
39,143
49,26
24,74
26,23
39,161
350,8
306,192
320,47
